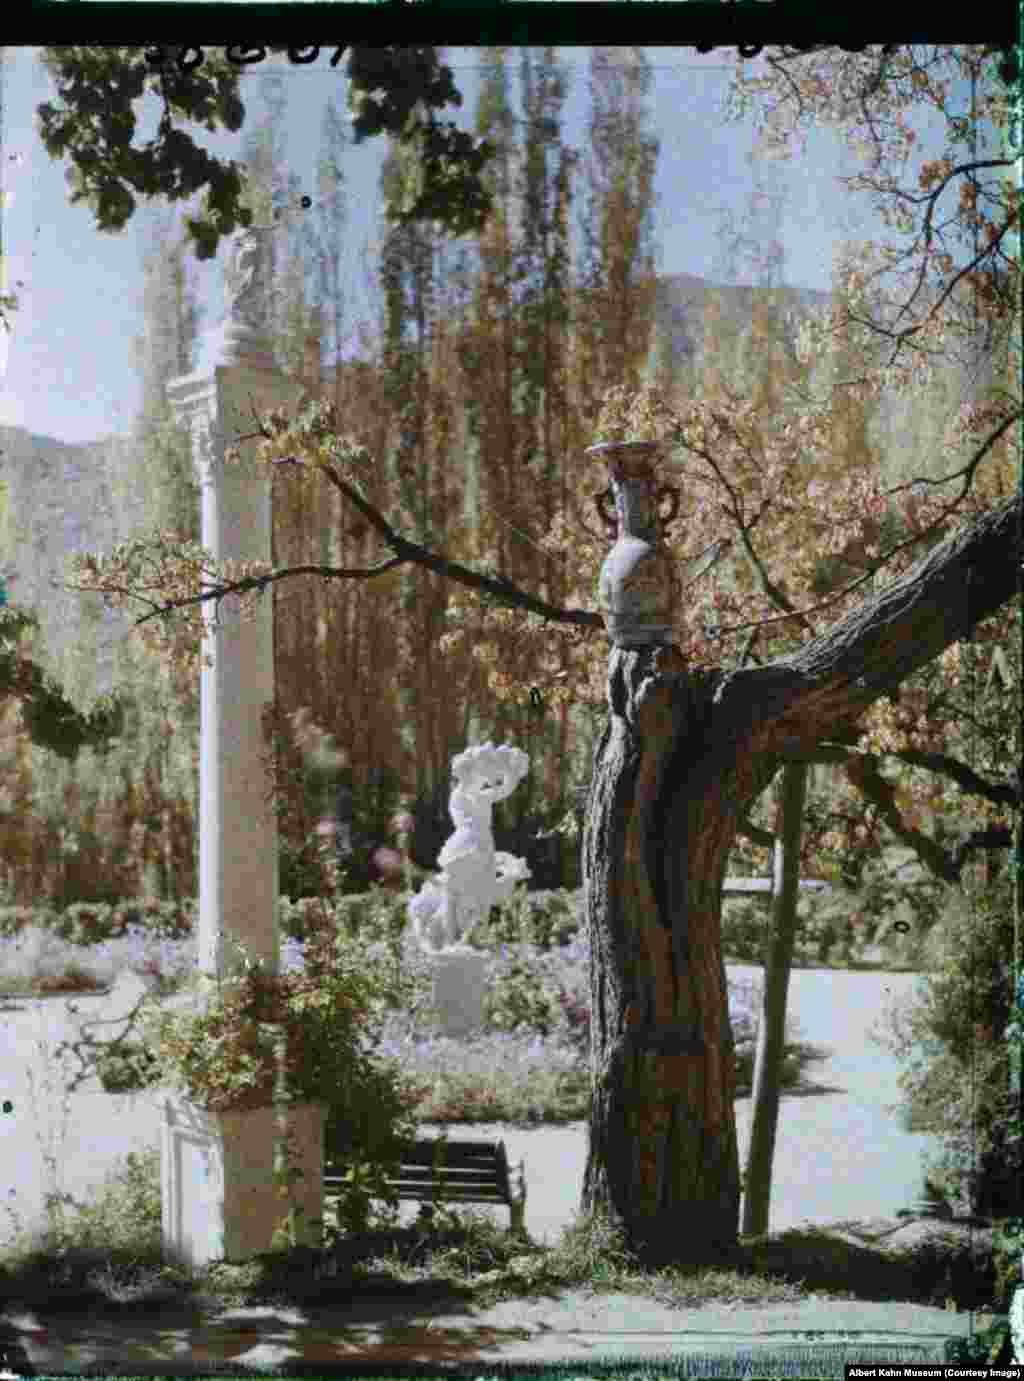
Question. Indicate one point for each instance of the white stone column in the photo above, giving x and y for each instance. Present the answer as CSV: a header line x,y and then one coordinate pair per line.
x,y
237,828
219,1199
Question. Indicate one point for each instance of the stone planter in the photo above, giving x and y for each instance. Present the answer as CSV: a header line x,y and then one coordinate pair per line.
x,y
219,1200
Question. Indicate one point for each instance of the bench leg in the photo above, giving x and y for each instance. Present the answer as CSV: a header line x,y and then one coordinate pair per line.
x,y
517,1208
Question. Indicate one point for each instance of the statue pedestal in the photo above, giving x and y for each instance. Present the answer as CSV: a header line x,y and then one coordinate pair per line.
x,y
459,978
219,1200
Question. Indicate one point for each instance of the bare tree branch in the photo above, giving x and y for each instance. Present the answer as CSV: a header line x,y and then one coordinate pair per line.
x,y
814,694
863,771
965,777
497,586
884,83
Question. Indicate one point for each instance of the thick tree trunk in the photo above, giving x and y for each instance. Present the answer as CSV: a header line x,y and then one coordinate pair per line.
x,y
663,1162
771,1035
684,754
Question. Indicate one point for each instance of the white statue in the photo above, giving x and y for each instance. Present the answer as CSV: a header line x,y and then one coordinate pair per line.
x,y
247,277
474,876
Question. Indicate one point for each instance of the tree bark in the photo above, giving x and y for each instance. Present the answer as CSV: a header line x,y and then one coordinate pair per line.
x,y
771,1035
663,1162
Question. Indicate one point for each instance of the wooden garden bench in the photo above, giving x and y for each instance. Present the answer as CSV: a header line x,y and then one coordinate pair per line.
x,y
457,1172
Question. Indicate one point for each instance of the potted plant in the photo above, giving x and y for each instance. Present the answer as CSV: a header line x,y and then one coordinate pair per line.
x,y
302,1038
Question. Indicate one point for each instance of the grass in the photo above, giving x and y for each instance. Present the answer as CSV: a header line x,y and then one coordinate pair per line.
x,y
109,1253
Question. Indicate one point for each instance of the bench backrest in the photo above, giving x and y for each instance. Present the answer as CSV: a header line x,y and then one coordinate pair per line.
x,y
475,1170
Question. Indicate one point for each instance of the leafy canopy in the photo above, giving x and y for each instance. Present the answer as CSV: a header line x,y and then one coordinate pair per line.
x,y
395,91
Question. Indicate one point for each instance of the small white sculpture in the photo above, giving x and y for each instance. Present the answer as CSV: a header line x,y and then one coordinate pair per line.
x,y
247,276
474,876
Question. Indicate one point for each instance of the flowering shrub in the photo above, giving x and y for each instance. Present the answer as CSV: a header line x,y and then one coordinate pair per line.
x,y
515,999
389,865
743,924
546,920
329,1013
576,1012
127,1067
952,1041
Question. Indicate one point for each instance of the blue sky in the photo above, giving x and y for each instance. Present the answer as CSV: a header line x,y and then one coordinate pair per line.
x,y
70,371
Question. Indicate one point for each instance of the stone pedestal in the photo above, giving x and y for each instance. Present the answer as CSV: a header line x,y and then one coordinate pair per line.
x,y
459,978
218,1197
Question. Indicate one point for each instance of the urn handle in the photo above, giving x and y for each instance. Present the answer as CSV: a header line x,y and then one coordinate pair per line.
x,y
673,498
611,524
606,496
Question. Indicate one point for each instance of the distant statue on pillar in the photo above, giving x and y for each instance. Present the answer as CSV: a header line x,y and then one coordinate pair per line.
x,y
247,278
244,331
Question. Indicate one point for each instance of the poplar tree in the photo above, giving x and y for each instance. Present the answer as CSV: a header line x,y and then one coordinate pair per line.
x,y
616,278
514,392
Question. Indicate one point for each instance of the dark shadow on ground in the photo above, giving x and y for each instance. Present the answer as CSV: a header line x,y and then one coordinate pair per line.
x,y
809,1260
814,1262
